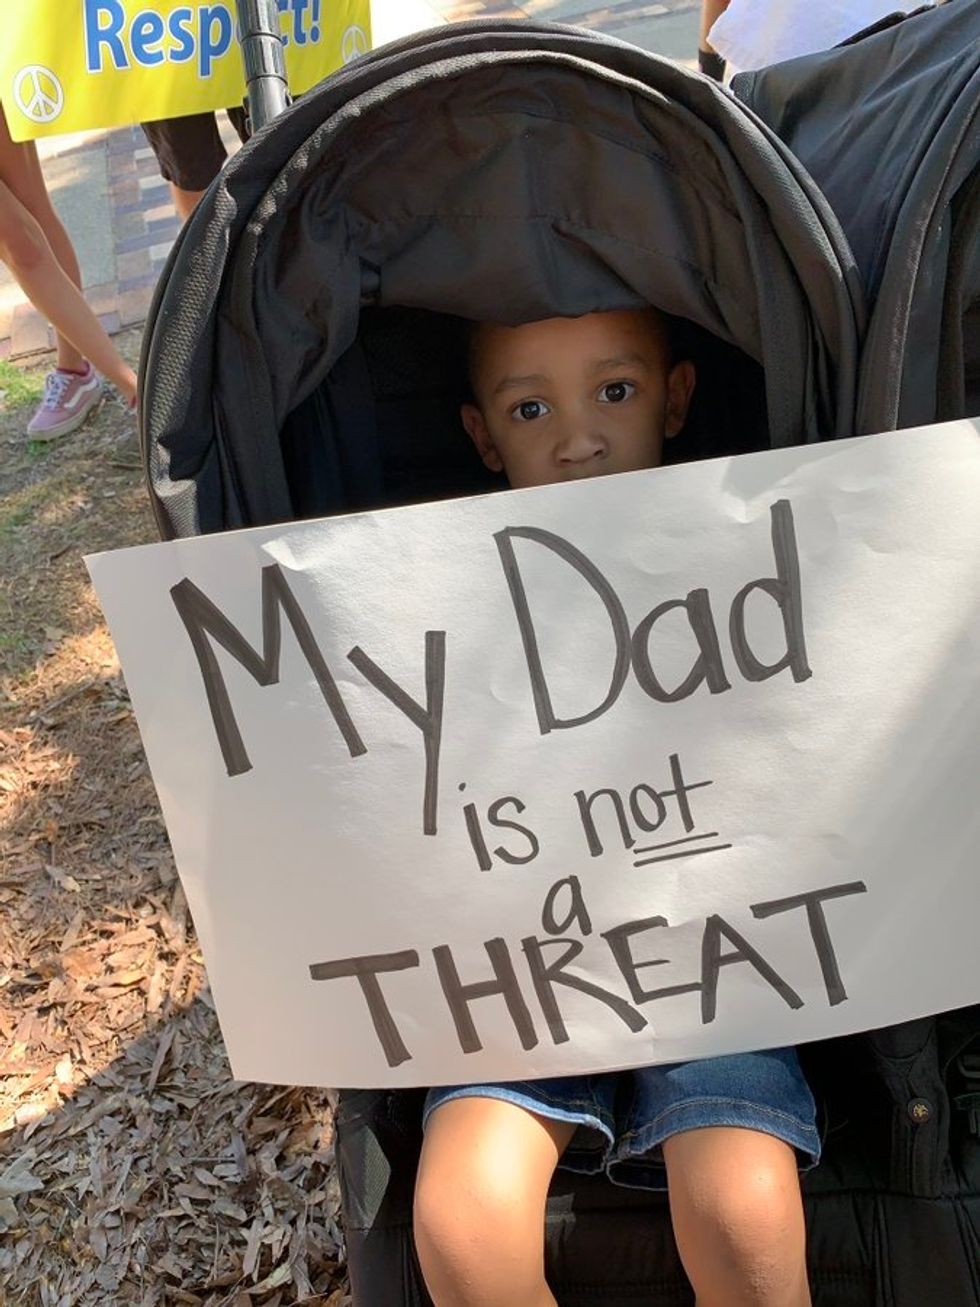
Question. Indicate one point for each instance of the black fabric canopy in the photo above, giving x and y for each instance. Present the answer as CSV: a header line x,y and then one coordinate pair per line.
x,y
492,171
889,127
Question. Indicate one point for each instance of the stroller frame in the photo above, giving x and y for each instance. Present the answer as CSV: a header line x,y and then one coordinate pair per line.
x,y
894,1209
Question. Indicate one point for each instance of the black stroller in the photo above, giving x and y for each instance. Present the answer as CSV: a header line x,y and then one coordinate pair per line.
x,y
302,359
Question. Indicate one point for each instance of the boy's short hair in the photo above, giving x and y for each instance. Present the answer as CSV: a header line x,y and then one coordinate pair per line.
x,y
671,326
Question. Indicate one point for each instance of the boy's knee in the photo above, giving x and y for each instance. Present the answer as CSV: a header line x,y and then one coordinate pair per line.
x,y
738,1215
462,1204
458,1251
441,1241
757,1234
474,1241
756,1209
479,1202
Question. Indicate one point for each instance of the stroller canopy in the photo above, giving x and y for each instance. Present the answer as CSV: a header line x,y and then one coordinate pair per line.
x,y
889,127
303,355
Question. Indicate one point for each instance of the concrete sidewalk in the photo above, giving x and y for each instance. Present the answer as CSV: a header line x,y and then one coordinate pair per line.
x,y
117,208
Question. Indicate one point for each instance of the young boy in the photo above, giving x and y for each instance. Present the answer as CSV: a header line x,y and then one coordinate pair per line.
x,y
554,401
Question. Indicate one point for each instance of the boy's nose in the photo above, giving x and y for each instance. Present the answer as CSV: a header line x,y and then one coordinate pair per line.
x,y
581,443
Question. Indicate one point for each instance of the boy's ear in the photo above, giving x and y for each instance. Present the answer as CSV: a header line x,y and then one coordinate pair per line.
x,y
680,388
477,431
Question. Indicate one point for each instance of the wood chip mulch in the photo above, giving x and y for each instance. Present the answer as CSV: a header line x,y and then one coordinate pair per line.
x,y
133,1168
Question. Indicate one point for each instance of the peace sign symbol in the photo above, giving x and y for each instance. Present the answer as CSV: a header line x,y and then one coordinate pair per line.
x,y
353,44
38,94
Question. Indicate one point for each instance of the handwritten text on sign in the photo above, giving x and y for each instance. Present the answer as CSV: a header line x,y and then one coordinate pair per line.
x,y
490,788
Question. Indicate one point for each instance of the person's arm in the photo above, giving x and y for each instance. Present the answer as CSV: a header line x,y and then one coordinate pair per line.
x,y
709,61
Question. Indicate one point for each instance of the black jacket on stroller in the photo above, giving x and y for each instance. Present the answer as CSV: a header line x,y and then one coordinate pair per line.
x,y
890,131
303,358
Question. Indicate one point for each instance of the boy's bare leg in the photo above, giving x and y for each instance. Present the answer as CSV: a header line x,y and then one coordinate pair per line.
x,y
738,1217
479,1203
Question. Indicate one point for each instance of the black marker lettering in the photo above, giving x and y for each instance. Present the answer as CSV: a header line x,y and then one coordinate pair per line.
x,y
639,816
547,721
459,996
494,818
618,940
681,791
708,666
203,619
712,960
366,970
786,590
813,902
483,859
546,976
578,913
427,719
585,802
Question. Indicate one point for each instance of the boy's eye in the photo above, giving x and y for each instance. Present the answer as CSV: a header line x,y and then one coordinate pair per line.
x,y
615,392
528,410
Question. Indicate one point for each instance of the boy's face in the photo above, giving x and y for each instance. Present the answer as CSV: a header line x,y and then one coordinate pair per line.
x,y
568,398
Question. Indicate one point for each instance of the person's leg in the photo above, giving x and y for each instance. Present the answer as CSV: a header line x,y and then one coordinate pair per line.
x,y
26,251
189,153
711,11
738,1217
479,1203
20,169
709,61
39,253
185,202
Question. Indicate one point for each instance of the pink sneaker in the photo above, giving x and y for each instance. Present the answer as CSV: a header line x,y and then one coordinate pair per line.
x,y
68,399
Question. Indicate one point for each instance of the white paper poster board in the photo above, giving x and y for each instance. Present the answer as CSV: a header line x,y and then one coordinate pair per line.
x,y
630,770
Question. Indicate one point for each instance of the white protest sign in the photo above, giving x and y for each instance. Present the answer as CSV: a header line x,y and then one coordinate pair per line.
x,y
617,772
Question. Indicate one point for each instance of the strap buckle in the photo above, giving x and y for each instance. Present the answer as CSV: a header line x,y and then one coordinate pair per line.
x,y
968,1065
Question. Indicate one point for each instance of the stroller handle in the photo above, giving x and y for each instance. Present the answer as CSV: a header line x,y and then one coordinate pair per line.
x,y
266,88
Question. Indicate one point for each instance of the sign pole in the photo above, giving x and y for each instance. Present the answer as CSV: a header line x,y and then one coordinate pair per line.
x,y
266,87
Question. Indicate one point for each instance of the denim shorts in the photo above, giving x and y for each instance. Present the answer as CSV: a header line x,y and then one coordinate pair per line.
x,y
623,1117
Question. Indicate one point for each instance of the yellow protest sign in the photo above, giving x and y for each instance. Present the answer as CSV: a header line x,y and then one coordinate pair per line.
x,y
76,65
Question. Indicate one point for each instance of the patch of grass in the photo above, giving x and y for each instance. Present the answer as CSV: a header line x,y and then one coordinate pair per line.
x,y
19,387
14,642
16,517
21,507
